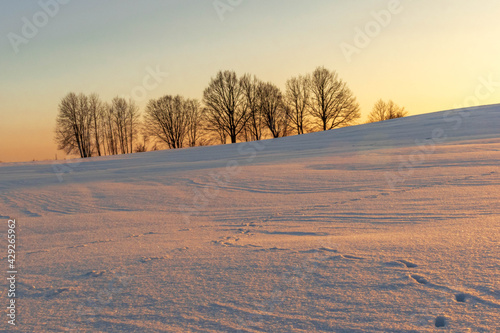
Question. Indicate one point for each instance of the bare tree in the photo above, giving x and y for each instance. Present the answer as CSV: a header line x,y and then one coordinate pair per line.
x,y
133,123
97,113
166,119
88,126
384,111
142,146
123,123
333,103
225,105
74,125
274,111
219,134
298,100
120,118
255,123
195,117
109,130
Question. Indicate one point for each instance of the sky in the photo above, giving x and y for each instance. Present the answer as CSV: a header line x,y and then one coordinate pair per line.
x,y
426,55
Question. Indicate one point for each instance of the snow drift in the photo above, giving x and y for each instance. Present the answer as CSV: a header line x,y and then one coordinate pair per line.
x,y
389,227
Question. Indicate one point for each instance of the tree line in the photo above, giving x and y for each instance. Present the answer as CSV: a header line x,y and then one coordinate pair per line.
x,y
89,127
232,108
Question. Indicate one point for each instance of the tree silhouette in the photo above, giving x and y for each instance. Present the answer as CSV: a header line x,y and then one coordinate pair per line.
x,y
255,123
384,111
236,108
74,125
274,111
167,120
298,100
195,117
333,103
225,105
125,118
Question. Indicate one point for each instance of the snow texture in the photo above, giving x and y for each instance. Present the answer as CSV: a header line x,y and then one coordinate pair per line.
x,y
384,227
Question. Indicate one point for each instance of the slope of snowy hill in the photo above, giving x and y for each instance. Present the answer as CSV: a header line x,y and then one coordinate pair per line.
x,y
385,227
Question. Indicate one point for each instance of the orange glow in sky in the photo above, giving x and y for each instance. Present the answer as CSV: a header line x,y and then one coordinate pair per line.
x,y
425,55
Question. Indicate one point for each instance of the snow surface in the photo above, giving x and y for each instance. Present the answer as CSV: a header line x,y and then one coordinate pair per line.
x,y
385,227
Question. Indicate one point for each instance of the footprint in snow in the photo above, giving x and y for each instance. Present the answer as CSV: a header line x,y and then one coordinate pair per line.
x,y
440,321
407,263
55,292
419,278
272,249
146,259
94,274
348,256
47,293
461,297
321,249
345,256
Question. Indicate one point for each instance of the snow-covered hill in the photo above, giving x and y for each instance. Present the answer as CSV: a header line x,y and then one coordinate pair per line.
x,y
385,227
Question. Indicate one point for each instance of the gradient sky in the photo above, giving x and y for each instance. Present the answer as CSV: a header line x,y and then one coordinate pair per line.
x,y
431,55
